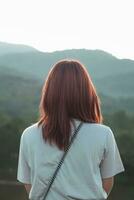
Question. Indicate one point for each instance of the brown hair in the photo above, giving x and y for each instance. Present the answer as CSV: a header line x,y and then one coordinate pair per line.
x,y
67,94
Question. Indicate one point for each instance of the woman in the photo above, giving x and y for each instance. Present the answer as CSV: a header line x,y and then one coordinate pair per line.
x,y
69,98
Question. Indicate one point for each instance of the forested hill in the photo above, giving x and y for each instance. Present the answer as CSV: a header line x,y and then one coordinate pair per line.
x,y
111,76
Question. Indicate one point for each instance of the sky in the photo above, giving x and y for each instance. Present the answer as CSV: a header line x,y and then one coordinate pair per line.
x,y
51,25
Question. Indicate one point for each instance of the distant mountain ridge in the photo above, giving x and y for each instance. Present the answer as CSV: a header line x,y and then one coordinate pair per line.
x,y
111,76
7,48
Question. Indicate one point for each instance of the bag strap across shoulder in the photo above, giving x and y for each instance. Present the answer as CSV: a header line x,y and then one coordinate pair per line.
x,y
62,159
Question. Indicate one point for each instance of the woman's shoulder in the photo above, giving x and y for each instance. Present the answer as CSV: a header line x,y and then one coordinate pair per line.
x,y
97,126
30,131
92,124
94,127
97,130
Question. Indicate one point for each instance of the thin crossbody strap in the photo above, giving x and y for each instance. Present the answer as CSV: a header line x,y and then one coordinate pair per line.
x,y
62,159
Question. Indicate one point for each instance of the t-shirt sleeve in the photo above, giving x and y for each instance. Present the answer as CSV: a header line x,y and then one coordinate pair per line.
x,y
111,163
23,171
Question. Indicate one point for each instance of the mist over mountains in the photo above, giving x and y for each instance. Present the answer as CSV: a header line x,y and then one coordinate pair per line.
x,y
23,70
111,76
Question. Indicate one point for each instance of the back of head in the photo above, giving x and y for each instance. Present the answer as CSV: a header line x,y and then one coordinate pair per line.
x,y
68,93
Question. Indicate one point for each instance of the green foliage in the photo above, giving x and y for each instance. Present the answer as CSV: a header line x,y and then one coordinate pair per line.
x,y
123,129
10,131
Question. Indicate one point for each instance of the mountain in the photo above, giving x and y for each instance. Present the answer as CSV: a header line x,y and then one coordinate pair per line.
x,y
7,48
19,96
111,76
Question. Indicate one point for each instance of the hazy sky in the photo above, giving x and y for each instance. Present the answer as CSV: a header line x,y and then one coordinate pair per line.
x,y
50,25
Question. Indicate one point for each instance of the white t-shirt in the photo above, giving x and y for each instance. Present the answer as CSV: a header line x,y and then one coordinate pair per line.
x,y
93,155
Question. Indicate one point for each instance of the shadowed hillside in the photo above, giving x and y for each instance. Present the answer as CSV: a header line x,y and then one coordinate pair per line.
x,y
112,76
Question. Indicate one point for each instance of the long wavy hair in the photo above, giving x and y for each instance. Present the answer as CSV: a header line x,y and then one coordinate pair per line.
x,y
68,93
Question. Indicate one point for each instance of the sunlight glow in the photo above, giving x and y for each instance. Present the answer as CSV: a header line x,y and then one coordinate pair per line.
x,y
50,25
